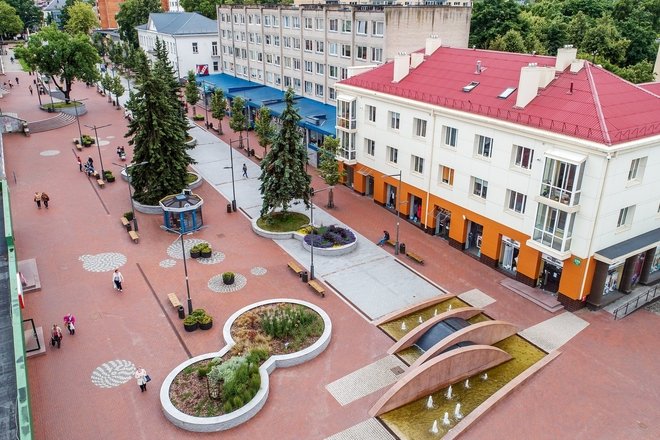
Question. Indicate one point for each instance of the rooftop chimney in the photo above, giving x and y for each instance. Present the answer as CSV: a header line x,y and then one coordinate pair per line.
x,y
531,78
576,66
433,42
401,66
565,56
478,71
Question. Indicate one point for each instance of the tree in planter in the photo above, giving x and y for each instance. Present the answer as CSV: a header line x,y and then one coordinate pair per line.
x,y
219,107
106,83
329,166
283,176
64,58
238,121
157,131
264,128
192,91
117,88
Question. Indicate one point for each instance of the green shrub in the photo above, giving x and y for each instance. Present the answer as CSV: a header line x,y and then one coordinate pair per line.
x,y
128,215
190,320
228,277
286,321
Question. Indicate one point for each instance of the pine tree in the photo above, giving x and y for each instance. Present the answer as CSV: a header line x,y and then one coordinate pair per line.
x,y
238,121
157,132
192,92
264,128
219,107
329,166
283,176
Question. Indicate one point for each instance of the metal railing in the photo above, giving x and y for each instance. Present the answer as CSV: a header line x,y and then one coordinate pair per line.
x,y
636,303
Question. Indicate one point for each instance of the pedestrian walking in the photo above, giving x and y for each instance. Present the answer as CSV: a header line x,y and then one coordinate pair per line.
x,y
56,336
17,83
31,90
37,199
142,378
11,86
11,59
245,171
70,323
117,279
80,166
45,199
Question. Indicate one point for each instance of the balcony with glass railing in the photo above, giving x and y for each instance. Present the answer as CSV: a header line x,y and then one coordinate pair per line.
x,y
562,182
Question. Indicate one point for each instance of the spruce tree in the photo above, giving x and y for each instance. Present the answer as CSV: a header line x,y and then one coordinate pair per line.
x,y
238,121
264,128
192,92
283,176
157,132
219,107
329,166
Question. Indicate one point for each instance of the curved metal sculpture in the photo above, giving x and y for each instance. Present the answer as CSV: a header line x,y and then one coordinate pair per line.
x,y
412,309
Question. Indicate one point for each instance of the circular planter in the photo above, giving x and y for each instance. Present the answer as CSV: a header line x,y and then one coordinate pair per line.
x,y
147,209
206,326
191,327
191,143
196,183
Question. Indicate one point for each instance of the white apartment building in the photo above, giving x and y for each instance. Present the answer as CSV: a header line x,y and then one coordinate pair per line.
x,y
546,168
190,39
311,47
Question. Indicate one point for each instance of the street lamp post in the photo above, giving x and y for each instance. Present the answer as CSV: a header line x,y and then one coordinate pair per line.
x,y
130,190
311,264
96,134
75,106
398,211
233,181
185,265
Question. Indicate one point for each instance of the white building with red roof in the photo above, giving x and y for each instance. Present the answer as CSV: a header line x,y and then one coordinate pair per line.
x,y
547,168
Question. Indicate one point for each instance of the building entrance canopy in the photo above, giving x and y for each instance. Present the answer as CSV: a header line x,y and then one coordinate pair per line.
x,y
625,249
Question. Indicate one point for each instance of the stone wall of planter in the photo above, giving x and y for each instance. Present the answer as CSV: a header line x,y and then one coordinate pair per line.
x,y
330,252
197,183
82,110
241,415
147,209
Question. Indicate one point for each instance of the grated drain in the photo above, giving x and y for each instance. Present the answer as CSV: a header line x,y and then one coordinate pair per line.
x,y
397,370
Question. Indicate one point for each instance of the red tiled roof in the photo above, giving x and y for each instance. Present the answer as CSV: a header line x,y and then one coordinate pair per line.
x,y
602,107
653,87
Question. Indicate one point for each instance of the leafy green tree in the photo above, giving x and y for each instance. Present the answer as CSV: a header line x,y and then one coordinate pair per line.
x,y
117,88
264,128
283,177
205,7
605,39
11,23
192,91
133,13
637,27
637,73
577,28
491,18
238,121
100,43
329,166
512,41
106,83
30,14
157,132
62,57
219,107
82,18
592,8
554,36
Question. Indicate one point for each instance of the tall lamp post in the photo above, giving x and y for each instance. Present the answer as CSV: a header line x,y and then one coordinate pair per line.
x,y
233,184
130,191
75,106
398,211
311,264
185,266
96,134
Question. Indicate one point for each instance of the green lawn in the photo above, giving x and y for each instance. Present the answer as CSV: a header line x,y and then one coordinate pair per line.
x,y
283,221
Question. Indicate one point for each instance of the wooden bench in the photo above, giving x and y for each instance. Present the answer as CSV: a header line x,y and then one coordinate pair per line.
x,y
134,236
174,300
258,156
76,142
317,287
391,243
415,257
294,267
101,183
125,223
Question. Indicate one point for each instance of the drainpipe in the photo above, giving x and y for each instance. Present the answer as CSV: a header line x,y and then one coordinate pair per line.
x,y
428,187
593,230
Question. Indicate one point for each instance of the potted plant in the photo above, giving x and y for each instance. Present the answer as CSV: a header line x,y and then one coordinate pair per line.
x,y
108,176
87,140
228,278
128,215
190,323
195,251
205,322
198,117
205,250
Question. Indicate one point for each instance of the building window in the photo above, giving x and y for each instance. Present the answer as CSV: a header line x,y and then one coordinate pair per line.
x,y
296,64
419,127
346,50
308,87
361,53
371,113
395,119
346,26
332,49
287,81
517,201
309,23
214,48
450,135
332,93
377,28
286,42
195,49
333,25
523,157
553,228
296,43
267,19
320,68
377,54
286,21
319,90
361,27
369,147
417,164
636,171
309,67
446,175
309,45
215,66
479,187
276,40
332,71
296,83
295,22
343,73
562,181
268,40
625,217
287,62
319,46
392,154
484,146
320,24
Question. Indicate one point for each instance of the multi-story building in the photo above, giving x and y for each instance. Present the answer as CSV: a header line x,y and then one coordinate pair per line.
x,y
189,38
544,167
311,47
107,11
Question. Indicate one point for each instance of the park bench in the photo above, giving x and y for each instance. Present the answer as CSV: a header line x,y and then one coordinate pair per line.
x,y
294,267
100,182
415,257
76,142
258,156
391,243
174,300
317,287
134,236
125,223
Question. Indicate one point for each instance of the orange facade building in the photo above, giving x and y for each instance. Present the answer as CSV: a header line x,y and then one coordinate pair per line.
x,y
107,12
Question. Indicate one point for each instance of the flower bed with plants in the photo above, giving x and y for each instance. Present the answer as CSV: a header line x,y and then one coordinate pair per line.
x,y
328,240
218,391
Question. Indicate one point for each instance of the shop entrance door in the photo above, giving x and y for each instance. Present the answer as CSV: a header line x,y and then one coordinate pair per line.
x,y
369,187
473,238
550,276
442,220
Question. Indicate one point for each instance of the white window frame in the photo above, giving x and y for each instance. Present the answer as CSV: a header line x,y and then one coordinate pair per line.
x,y
446,175
523,157
377,28
392,154
361,53
479,188
516,201
417,164
371,113
625,217
369,147
636,171
395,120
419,127
449,136
484,146
195,47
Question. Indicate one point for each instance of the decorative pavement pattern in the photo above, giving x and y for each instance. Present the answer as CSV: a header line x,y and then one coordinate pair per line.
x,y
216,257
49,153
113,373
216,284
370,429
258,271
552,333
166,264
104,262
366,380
476,298
174,250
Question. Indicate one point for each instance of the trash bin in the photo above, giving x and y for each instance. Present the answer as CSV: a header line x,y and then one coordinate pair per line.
x,y
304,276
229,207
402,248
182,313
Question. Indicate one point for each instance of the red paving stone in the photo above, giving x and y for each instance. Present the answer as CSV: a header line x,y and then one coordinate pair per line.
x,y
602,385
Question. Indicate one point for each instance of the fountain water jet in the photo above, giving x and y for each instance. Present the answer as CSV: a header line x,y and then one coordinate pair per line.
x,y
435,312
449,308
420,320
434,428
448,395
457,412
467,383
429,402
484,376
403,326
445,419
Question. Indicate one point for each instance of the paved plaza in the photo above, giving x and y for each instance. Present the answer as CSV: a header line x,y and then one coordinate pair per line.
x,y
600,387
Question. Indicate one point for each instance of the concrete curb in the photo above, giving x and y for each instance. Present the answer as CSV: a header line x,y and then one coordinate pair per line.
x,y
326,252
